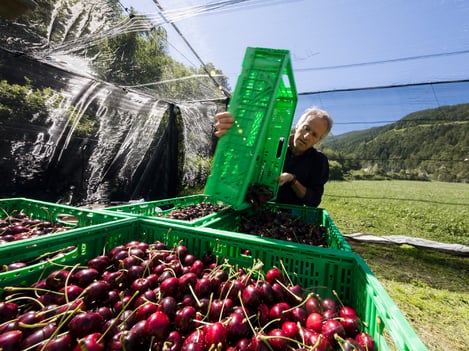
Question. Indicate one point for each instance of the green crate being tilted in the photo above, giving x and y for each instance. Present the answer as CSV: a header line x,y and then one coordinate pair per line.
x,y
253,150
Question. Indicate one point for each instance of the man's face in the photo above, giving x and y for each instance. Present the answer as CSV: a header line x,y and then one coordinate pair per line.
x,y
308,133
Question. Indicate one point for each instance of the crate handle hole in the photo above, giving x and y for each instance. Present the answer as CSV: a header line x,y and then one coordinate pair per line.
x,y
246,252
280,147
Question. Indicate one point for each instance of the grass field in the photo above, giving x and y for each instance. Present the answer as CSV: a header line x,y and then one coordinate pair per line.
x,y
430,288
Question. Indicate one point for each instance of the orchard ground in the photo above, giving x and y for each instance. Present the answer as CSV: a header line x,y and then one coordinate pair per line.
x,y
430,288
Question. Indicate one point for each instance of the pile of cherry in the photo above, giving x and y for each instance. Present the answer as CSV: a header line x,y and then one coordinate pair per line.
x,y
143,296
194,211
20,226
267,222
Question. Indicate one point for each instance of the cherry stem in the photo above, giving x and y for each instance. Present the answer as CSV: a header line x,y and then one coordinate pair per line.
x,y
118,316
297,298
19,298
301,303
338,298
286,272
194,295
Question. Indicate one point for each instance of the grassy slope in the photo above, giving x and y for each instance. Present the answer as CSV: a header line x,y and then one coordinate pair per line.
x,y
430,288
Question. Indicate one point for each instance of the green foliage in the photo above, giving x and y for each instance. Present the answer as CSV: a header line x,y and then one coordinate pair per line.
x,y
335,171
133,58
425,144
23,104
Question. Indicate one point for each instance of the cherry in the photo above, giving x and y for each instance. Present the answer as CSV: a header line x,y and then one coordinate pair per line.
x,y
281,311
170,287
85,323
215,336
331,327
273,275
85,277
237,326
299,315
97,291
277,339
220,308
329,304
251,296
61,342
157,325
56,280
8,311
90,343
290,329
313,304
173,342
314,321
38,336
144,311
168,305
366,341
203,287
351,325
100,263
347,311
184,319
11,340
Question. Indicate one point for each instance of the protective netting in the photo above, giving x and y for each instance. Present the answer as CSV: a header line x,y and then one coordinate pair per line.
x,y
122,107
358,109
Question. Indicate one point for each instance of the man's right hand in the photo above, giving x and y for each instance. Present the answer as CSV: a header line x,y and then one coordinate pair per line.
x,y
224,121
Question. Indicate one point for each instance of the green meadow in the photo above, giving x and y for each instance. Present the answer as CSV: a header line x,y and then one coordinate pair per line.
x,y
431,288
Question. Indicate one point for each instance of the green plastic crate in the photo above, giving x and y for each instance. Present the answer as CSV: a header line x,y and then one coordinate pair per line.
x,y
32,269
158,209
231,222
319,270
253,150
73,218
88,242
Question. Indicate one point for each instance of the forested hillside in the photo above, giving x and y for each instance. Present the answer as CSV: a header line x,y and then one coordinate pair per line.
x,y
425,145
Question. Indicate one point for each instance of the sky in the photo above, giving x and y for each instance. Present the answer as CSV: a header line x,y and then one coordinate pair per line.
x,y
333,44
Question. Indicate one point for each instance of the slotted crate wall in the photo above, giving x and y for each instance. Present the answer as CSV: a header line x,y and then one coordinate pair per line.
x,y
253,150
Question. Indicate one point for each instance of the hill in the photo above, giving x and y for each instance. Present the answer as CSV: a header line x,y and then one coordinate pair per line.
x,y
430,144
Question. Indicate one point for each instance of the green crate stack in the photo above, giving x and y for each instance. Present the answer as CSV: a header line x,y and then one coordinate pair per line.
x,y
253,150
231,222
159,209
320,270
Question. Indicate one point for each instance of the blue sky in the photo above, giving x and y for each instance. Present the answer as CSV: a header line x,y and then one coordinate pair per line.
x,y
334,44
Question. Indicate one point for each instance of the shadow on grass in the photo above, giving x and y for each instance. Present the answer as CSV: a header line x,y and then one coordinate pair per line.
x,y
420,267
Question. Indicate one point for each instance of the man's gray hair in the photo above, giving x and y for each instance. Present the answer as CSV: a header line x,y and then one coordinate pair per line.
x,y
316,111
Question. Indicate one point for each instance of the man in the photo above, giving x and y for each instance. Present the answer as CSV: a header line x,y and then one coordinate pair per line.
x,y
306,169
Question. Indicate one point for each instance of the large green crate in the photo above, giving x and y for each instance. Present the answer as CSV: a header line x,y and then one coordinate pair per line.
x,y
73,218
89,242
76,221
231,222
319,270
253,150
158,209
33,269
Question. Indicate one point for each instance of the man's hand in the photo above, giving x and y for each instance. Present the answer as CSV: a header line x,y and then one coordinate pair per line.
x,y
224,121
285,178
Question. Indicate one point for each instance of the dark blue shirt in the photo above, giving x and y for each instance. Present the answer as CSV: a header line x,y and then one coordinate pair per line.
x,y
312,171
